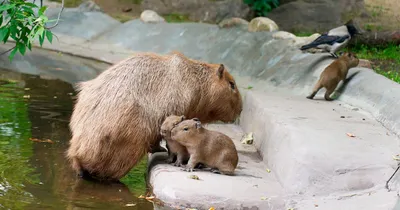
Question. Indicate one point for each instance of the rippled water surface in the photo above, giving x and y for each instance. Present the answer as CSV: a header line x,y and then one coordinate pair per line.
x,y
35,175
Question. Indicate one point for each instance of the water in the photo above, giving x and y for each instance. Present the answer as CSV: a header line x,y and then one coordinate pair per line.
x,y
35,175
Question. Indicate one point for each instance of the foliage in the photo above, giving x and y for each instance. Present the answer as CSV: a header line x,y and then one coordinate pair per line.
x,y
20,22
386,59
176,18
262,7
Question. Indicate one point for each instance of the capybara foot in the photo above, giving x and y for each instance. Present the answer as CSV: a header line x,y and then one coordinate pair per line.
x,y
170,159
200,166
178,163
310,97
188,169
215,171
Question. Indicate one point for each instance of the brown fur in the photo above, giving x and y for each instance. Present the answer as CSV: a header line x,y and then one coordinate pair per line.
x,y
334,73
214,149
117,116
174,148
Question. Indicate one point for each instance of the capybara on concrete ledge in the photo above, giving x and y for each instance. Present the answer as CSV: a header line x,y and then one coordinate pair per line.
x,y
118,114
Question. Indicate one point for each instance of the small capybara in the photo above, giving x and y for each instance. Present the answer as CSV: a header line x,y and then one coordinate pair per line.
x,y
174,148
334,73
211,148
118,115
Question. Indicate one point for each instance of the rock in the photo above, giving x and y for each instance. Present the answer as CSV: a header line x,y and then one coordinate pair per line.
x,y
365,63
149,16
315,15
89,6
262,24
199,10
233,22
283,35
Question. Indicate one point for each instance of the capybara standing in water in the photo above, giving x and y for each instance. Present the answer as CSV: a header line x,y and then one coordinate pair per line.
x,y
118,115
211,148
334,73
174,148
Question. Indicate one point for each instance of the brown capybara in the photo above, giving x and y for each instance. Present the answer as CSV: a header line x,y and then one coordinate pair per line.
x,y
334,73
118,115
211,148
174,148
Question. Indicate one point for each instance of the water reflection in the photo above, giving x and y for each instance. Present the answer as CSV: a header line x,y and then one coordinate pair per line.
x,y
35,175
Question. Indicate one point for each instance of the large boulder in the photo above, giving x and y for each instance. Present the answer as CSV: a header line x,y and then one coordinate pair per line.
x,y
315,15
262,24
199,10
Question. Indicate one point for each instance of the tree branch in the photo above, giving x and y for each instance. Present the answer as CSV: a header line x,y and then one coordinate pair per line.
x,y
7,51
59,15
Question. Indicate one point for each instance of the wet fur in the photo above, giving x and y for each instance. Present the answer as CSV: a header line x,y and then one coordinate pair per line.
x,y
214,149
333,74
117,117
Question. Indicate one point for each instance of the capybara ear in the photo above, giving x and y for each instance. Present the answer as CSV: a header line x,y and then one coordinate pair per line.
x,y
183,117
196,119
221,71
198,124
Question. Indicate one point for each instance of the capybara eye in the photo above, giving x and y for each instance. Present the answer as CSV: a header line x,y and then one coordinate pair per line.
x,y
232,85
186,129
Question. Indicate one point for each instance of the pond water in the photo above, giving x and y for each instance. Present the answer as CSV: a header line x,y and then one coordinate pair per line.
x,y
34,174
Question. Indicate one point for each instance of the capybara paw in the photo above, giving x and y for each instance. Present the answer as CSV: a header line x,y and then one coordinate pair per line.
x,y
178,164
215,171
188,169
170,160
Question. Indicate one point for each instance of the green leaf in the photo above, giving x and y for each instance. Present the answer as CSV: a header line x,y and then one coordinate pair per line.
x,y
30,4
6,37
42,10
6,7
1,20
49,36
3,33
29,46
12,54
21,48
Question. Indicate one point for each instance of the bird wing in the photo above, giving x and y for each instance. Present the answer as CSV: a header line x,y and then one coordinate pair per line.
x,y
325,39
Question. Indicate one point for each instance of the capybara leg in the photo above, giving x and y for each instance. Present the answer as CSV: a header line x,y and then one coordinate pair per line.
x,y
200,166
191,164
179,160
171,158
317,87
328,93
227,169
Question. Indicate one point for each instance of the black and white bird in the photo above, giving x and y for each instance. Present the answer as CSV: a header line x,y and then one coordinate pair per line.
x,y
334,40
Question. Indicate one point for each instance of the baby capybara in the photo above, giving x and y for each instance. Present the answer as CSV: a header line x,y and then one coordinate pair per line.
x,y
118,115
174,148
211,148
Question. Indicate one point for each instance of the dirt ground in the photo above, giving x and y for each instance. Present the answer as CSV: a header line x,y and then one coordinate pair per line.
x,y
384,15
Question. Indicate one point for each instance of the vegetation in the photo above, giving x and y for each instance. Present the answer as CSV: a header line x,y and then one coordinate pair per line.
x,y
385,59
19,22
176,18
262,7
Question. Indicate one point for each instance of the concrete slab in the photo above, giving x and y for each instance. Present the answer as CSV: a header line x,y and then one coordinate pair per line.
x,y
305,143
251,188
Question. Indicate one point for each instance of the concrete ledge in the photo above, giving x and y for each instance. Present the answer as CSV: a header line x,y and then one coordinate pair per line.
x,y
305,143
251,188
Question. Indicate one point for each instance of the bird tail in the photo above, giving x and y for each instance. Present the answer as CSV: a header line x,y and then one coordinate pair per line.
x,y
307,46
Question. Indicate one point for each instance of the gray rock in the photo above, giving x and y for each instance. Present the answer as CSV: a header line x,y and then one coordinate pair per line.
x,y
262,24
315,15
199,10
233,22
149,16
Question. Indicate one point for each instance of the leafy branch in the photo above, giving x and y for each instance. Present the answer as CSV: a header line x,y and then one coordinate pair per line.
x,y
262,7
24,26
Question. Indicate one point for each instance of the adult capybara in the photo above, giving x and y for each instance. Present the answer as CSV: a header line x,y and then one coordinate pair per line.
x,y
211,148
118,114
